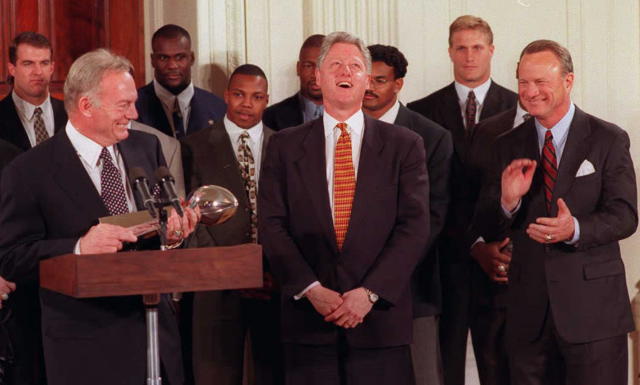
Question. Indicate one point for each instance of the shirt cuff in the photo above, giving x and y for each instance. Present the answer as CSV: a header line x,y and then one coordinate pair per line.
x,y
508,213
76,248
576,233
306,289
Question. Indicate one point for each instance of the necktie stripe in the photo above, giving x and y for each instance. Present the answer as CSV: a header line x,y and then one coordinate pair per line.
x,y
344,184
549,168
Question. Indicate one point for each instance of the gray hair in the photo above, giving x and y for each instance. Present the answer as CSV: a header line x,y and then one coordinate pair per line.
x,y
344,37
87,72
560,52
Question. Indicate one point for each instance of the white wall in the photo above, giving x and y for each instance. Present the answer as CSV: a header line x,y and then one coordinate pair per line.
x,y
602,35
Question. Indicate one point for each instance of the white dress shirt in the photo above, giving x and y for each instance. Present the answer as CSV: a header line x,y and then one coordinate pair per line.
x,y
391,114
480,93
25,113
256,135
168,101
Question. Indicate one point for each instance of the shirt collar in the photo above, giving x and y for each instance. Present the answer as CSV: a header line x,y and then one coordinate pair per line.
x,y
169,99
355,123
254,132
308,106
25,108
560,129
86,148
391,114
480,91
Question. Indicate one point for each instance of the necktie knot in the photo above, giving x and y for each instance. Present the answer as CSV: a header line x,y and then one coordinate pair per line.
x,y
548,136
244,136
105,156
471,95
470,113
343,128
37,112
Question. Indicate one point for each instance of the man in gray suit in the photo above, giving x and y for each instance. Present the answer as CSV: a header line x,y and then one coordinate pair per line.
x,y
171,151
229,154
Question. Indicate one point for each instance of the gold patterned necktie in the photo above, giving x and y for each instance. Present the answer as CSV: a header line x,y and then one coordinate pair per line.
x,y
344,184
38,126
248,172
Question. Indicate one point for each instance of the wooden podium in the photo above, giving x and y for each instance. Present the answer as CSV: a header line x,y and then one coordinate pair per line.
x,y
150,273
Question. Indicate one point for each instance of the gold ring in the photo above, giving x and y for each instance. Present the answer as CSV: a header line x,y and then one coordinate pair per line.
x,y
548,237
4,296
502,269
178,233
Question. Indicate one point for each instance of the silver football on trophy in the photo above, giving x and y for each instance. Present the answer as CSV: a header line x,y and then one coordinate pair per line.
x,y
217,204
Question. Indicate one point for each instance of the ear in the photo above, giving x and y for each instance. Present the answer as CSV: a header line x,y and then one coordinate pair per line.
x,y
568,81
298,64
12,69
491,49
193,58
397,85
85,106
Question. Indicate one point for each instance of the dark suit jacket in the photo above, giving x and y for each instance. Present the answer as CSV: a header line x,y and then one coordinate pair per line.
x,y
7,152
287,113
585,284
209,158
11,128
388,230
97,341
438,147
479,163
206,108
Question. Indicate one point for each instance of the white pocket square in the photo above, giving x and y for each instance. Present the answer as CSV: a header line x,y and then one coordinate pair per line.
x,y
586,168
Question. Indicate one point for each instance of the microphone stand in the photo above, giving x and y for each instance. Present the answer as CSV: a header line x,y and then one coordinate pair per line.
x,y
151,302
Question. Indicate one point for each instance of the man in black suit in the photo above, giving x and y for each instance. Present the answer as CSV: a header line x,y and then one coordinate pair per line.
x,y
29,115
222,320
305,105
567,195
171,103
76,177
343,250
389,66
472,97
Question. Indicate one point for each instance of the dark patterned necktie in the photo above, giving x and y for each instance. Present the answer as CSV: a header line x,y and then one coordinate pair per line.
x,y
111,187
549,168
178,123
470,113
248,172
38,126
344,184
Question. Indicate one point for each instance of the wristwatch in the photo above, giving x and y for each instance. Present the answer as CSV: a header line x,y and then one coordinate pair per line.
x,y
373,297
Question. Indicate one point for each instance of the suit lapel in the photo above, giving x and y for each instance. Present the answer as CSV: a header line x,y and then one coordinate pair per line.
x,y
453,120
59,115
403,117
16,133
491,102
312,167
575,151
73,179
367,180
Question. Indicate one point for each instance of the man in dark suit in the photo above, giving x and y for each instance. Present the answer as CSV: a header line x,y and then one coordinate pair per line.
x,y
75,178
472,97
224,319
344,251
567,195
171,103
305,105
389,66
29,115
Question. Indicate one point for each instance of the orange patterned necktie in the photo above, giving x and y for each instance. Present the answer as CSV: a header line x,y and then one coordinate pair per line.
x,y
344,184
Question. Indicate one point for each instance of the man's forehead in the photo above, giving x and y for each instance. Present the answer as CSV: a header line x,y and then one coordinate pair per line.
x,y
25,49
345,51
178,43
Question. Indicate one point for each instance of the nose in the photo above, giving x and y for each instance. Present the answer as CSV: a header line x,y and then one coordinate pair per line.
x,y
172,62
37,68
344,69
131,113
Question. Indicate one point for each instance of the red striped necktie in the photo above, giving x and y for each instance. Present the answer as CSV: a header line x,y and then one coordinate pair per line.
x,y
344,184
549,167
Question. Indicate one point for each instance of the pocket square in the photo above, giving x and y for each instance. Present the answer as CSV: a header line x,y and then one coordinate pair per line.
x,y
586,168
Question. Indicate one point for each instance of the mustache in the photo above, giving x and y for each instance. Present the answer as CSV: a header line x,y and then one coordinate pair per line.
x,y
371,93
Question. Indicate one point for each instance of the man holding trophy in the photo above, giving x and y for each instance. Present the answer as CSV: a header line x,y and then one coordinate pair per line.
x,y
50,202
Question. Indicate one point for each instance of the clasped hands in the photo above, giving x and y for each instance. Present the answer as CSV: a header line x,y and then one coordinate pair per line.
x,y
347,310
108,238
516,182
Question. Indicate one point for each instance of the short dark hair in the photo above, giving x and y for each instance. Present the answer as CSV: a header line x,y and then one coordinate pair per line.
x,y
31,38
561,53
248,69
390,56
170,31
313,41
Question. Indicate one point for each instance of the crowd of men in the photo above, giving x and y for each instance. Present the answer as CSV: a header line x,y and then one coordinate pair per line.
x,y
389,231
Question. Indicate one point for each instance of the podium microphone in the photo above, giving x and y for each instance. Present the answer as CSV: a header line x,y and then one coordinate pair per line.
x,y
167,183
141,185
